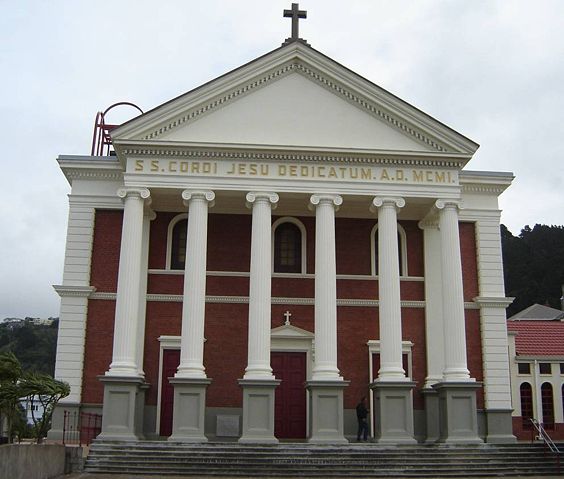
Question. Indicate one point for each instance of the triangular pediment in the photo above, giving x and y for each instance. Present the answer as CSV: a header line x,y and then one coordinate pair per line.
x,y
294,97
288,331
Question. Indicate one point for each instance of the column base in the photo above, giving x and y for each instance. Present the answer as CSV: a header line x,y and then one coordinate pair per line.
x,y
457,412
499,426
122,412
432,424
258,411
393,412
188,413
326,412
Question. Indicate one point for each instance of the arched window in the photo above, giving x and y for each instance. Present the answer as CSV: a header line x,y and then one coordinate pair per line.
x,y
176,250
402,250
547,406
289,246
526,405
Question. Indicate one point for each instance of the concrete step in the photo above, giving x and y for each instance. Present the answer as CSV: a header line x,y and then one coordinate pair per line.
x,y
298,460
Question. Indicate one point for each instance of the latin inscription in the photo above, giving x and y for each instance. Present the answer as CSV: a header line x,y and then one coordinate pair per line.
x,y
299,171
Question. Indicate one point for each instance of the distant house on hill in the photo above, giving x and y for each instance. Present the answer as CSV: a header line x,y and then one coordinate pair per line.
x,y
536,358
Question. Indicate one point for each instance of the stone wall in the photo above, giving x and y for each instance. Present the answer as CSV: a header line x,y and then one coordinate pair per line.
x,y
32,461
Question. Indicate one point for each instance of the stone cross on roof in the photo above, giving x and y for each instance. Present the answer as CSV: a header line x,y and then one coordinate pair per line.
x,y
295,14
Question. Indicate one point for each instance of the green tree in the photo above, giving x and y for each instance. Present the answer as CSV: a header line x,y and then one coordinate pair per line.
x,y
43,389
533,264
10,392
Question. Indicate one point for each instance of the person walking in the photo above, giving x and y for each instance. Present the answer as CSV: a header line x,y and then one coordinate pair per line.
x,y
361,415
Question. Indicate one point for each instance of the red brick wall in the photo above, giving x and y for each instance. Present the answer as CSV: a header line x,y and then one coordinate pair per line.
x,y
98,348
105,250
226,324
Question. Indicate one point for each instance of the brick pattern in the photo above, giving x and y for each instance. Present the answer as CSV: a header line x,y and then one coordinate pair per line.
x,y
226,324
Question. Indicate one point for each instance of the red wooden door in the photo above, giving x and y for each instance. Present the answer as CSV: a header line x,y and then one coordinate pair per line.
x,y
171,360
290,398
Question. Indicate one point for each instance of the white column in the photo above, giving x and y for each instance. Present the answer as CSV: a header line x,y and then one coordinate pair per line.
x,y
453,298
258,366
126,326
193,311
325,288
391,368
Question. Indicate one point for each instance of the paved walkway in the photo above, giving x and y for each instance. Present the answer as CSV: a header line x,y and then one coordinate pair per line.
x,y
85,475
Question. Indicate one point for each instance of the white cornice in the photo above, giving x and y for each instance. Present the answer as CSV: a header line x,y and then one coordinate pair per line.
x,y
258,153
485,181
74,291
493,302
101,168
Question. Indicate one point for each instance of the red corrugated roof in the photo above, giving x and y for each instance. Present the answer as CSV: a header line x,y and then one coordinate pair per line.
x,y
538,338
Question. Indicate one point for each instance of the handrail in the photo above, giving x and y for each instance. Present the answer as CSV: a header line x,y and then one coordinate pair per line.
x,y
546,438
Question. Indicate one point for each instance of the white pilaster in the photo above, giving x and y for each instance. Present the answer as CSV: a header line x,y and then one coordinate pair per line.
x,y
126,327
391,368
258,366
433,302
453,298
147,218
325,310
192,339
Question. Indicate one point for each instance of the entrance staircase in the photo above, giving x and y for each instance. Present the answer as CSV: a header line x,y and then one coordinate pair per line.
x,y
305,460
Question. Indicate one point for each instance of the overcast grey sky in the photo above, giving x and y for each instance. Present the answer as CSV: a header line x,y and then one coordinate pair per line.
x,y
492,70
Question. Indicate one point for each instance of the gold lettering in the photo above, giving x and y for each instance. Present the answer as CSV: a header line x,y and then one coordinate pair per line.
x,y
439,177
281,170
138,165
206,167
232,170
417,175
365,174
154,165
321,171
184,166
332,172
343,171
449,179
252,169
293,170
172,166
304,171
195,167
399,175
264,170
354,173
242,169
384,175
429,176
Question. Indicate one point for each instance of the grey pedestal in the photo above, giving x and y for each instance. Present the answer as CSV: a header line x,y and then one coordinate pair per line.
x,y
499,426
189,409
122,414
393,412
457,412
432,425
258,411
326,411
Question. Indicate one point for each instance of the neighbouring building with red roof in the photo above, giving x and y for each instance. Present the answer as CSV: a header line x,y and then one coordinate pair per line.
x,y
536,358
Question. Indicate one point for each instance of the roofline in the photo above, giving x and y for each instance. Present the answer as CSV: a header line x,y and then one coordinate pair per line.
x,y
297,44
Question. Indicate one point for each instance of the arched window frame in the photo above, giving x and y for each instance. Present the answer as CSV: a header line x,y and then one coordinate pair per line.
x,y
547,414
300,225
173,222
402,248
526,424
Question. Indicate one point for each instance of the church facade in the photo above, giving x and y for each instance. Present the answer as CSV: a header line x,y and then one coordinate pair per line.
x,y
262,252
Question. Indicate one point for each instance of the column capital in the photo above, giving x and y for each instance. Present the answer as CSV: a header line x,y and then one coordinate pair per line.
x,y
267,196
428,223
380,201
132,192
442,204
324,198
207,195
150,214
